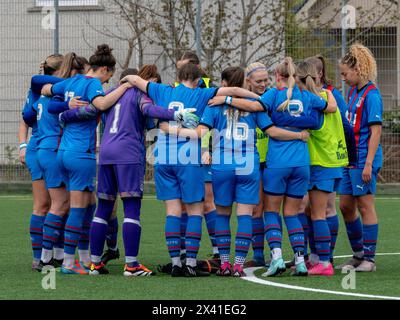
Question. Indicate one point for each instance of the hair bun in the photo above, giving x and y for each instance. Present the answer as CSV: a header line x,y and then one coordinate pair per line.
x,y
103,50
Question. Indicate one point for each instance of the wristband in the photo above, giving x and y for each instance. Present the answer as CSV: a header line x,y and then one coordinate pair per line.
x,y
228,100
22,145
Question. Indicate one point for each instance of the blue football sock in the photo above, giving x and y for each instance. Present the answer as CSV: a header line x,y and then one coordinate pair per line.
x,y
183,226
311,240
173,237
304,223
273,230
223,236
333,223
52,230
193,237
322,237
370,237
36,232
296,233
243,238
60,241
258,239
73,229
355,234
210,222
83,243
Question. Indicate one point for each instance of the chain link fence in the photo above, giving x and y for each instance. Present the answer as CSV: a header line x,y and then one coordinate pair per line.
x,y
232,33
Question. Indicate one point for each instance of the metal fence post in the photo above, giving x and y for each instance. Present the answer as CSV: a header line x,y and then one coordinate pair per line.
x,y
57,28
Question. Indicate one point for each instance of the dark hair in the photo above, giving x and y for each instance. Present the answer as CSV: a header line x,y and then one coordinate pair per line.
x,y
129,72
191,56
51,64
103,58
159,80
234,76
189,72
148,71
72,62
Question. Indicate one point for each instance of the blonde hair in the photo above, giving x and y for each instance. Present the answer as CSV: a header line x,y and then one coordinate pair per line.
x,y
307,73
51,64
72,62
287,70
361,57
253,67
320,64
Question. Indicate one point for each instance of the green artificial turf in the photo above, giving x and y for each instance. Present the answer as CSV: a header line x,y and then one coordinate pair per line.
x,y
18,281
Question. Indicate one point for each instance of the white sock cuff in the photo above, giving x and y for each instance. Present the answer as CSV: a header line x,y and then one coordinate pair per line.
x,y
100,220
130,259
128,220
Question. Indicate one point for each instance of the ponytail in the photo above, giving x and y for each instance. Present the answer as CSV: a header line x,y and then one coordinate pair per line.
x,y
287,70
306,72
320,64
72,62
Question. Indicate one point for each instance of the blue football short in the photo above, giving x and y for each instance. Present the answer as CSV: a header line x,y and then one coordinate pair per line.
x,y
291,182
352,183
179,182
50,168
207,173
230,186
325,179
79,169
33,165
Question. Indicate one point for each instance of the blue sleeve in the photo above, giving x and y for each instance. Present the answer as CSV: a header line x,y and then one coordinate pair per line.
x,y
340,101
157,92
59,88
94,90
208,93
208,117
28,112
268,99
38,81
263,120
374,108
316,102
57,105
151,123
284,119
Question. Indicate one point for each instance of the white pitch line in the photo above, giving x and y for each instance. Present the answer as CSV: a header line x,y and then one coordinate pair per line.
x,y
252,278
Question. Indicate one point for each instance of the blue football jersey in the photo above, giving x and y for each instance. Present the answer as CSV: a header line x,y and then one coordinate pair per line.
x,y
49,130
234,136
294,153
28,107
365,108
79,136
178,150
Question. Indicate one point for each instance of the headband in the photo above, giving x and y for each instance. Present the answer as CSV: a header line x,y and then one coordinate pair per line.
x,y
256,69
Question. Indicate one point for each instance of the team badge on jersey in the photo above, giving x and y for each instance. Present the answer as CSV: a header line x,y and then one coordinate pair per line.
x,y
295,108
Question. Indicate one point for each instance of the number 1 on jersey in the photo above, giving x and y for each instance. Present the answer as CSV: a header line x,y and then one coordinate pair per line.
x,y
114,128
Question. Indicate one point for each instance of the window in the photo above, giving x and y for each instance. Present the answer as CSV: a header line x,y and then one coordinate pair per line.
x,y
66,3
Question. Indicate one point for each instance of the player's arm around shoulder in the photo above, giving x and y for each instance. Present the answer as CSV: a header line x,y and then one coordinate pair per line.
x,y
196,133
